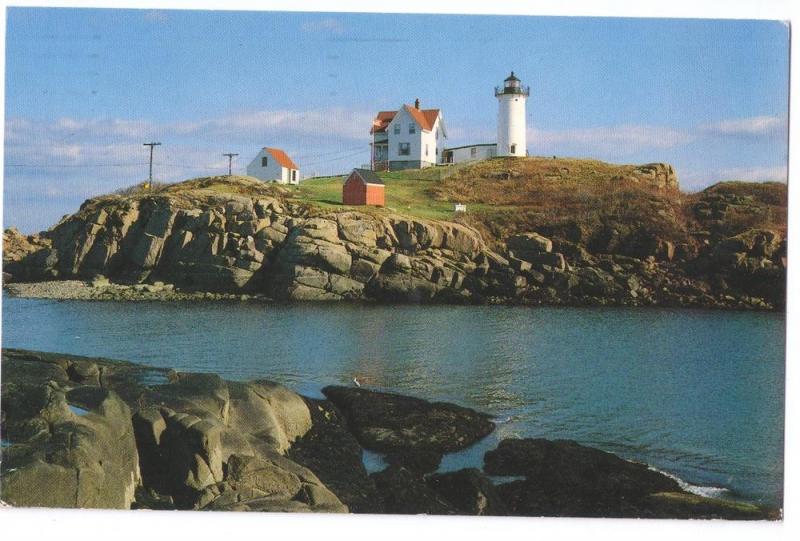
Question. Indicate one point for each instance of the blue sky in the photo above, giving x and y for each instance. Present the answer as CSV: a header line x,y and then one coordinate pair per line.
x,y
86,87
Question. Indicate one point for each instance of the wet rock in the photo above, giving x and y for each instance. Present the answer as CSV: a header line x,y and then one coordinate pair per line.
x,y
407,493
334,455
564,478
469,491
387,422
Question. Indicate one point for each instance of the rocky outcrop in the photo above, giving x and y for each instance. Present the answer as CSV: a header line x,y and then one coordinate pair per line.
x,y
413,432
470,491
563,478
406,493
335,456
66,444
188,239
108,436
660,176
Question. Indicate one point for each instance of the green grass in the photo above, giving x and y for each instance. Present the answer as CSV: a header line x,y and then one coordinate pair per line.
x,y
407,192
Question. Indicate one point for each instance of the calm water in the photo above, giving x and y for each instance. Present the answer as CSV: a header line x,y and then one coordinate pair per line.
x,y
696,394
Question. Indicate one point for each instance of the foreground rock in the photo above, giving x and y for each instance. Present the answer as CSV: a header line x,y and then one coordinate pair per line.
x,y
334,454
86,432
66,444
237,236
563,478
413,432
150,438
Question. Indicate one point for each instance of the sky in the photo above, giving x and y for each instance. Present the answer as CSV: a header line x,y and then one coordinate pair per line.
x,y
85,88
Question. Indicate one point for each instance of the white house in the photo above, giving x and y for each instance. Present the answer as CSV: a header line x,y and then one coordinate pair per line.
x,y
409,138
274,165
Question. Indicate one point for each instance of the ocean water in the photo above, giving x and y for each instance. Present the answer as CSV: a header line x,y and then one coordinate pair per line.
x,y
696,394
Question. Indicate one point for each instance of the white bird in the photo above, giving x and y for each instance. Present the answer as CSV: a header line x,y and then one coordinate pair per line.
x,y
355,382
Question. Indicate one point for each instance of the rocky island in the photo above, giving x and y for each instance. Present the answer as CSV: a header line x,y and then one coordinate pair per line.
x,y
83,432
542,232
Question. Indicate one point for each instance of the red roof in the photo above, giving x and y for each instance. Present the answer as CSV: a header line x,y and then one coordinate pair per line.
x,y
382,120
426,118
281,157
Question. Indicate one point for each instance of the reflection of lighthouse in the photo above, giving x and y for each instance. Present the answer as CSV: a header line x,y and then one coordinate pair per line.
x,y
511,139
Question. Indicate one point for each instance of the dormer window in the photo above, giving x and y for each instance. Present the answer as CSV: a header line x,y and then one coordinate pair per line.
x,y
412,128
264,161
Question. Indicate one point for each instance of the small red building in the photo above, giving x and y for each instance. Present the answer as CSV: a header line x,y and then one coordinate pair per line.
x,y
363,187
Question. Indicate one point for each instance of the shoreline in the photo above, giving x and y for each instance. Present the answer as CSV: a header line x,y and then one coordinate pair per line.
x,y
324,443
104,290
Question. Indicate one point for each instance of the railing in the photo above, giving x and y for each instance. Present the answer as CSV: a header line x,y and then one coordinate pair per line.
x,y
521,90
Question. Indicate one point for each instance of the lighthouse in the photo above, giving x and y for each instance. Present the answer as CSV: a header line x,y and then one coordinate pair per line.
x,y
511,140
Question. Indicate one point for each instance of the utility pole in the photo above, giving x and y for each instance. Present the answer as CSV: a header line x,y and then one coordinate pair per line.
x,y
151,145
230,156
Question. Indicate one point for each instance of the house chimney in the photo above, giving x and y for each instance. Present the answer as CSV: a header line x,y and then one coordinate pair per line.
x,y
416,103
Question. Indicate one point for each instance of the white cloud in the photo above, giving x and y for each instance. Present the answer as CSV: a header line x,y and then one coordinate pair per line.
x,y
333,121
759,173
746,127
625,139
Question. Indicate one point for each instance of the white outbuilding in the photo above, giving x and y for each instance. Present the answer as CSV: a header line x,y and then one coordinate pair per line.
x,y
469,153
274,165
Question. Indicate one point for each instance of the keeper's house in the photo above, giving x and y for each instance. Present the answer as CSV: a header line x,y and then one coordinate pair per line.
x,y
363,187
274,165
409,138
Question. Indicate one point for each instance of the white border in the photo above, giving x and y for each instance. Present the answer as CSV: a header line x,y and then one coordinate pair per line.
x,y
16,524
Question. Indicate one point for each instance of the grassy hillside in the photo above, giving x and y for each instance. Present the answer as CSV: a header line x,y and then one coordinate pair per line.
x,y
582,201
408,192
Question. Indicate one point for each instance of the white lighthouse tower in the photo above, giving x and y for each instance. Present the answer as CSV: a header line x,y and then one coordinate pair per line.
x,y
511,140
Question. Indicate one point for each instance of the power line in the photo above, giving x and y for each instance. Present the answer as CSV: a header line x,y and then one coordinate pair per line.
x,y
335,158
344,154
50,165
303,156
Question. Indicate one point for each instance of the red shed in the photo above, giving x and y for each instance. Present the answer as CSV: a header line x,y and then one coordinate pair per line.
x,y
363,187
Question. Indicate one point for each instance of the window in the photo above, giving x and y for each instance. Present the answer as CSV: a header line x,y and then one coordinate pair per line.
x,y
513,149
263,161
294,175
426,149
397,129
473,152
437,133
412,128
405,149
